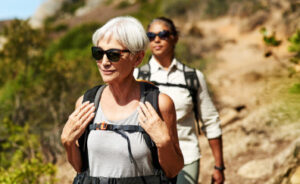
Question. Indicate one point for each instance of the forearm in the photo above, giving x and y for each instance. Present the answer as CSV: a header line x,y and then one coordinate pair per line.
x,y
217,150
74,156
170,159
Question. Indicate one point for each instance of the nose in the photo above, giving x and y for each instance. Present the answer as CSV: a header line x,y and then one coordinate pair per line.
x,y
156,38
105,60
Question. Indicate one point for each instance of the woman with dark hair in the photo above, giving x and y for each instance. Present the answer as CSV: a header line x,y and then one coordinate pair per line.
x,y
111,145
187,88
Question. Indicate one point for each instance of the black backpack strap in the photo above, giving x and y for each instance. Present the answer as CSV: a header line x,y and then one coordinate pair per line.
x,y
144,72
91,95
193,85
150,94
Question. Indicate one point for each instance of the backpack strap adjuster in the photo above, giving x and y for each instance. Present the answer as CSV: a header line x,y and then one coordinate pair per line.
x,y
101,126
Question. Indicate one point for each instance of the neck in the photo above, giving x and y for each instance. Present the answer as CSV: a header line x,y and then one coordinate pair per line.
x,y
125,91
164,60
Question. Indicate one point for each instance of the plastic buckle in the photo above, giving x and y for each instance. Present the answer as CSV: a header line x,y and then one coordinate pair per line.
x,y
103,126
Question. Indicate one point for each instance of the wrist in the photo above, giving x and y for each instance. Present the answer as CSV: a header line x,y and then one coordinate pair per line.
x,y
220,168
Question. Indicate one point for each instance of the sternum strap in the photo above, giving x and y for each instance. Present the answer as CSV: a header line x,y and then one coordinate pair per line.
x,y
119,129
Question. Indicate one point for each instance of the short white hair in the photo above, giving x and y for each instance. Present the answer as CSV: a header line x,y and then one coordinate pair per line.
x,y
125,29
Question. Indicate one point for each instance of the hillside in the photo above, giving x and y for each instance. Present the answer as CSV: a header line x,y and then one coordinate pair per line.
x,y
255,86
260,119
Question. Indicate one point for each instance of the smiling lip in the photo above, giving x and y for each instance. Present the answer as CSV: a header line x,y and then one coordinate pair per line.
x,y
107,72
157,47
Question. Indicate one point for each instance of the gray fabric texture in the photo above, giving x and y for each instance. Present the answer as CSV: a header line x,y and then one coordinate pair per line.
x,y
108,152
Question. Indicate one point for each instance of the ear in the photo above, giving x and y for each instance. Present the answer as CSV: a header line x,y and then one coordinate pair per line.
x,y
139,58
175,40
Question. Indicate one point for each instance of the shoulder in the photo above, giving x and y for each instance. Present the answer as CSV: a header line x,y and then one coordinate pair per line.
x,y
166,104
79,102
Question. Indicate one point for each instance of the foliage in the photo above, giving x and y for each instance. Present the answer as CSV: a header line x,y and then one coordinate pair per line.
x,y
149,11
123,4
20,63
76,41
72,6
295,88
269,40
42,80
216,8
294,46
21,156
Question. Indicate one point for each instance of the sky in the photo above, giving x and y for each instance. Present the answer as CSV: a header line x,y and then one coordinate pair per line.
x,y
21,9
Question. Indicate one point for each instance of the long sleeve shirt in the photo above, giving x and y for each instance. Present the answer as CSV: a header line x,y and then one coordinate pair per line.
x,y
186,127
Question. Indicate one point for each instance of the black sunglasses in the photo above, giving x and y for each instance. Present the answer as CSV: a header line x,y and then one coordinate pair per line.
x,y
162,35
113,55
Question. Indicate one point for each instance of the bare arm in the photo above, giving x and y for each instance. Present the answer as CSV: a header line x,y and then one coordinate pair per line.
x,y
216,147
163,132
74,128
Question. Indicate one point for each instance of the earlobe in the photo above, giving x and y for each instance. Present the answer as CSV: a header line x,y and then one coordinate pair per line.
x,y
139,58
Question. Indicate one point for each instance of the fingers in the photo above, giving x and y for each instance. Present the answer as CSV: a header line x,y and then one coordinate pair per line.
x,y
84,109
151,109
145,110
87,117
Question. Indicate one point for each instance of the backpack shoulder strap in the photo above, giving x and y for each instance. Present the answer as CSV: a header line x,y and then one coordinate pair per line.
x,y
193,85
144,72
151,93
91,95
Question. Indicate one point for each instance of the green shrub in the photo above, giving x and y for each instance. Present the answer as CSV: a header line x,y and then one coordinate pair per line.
x,y
269,40
74,43
21,159
295,88
71,7
294,46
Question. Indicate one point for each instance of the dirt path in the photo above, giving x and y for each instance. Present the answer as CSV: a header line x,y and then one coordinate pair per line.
x,y
239,78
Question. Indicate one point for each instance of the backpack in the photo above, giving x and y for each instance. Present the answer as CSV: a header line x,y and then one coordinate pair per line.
x,y
151,93
191,83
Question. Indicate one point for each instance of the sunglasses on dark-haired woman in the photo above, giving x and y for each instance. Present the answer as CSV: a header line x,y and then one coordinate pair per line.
x,y
162,35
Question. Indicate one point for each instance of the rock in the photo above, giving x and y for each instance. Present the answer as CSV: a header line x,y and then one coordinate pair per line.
x,y
2,42
47,9
256,168
295,179
297,68
257,19
229,116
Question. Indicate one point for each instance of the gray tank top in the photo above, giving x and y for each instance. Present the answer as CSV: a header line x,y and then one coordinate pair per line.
x,y
108,152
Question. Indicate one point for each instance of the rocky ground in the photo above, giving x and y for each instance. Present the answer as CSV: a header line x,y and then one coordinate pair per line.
x,y
257,148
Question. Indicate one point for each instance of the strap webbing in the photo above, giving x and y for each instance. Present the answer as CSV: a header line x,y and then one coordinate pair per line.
x,y
119,130
113,127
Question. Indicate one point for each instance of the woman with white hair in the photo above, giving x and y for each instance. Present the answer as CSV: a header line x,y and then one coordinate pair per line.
x,y
115,135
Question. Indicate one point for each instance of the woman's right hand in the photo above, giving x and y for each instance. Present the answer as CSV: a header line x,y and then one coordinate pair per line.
x,y
77,123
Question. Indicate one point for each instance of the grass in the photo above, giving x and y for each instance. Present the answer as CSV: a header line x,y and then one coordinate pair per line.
x,y
284,97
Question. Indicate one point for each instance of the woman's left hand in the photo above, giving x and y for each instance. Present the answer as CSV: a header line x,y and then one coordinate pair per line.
x,y
153,124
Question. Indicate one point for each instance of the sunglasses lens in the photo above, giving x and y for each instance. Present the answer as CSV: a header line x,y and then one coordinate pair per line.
x,y
97,53
151,35
164,34
113,55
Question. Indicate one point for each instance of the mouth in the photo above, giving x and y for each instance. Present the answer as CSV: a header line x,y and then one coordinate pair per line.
x,y
158,47
107,72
